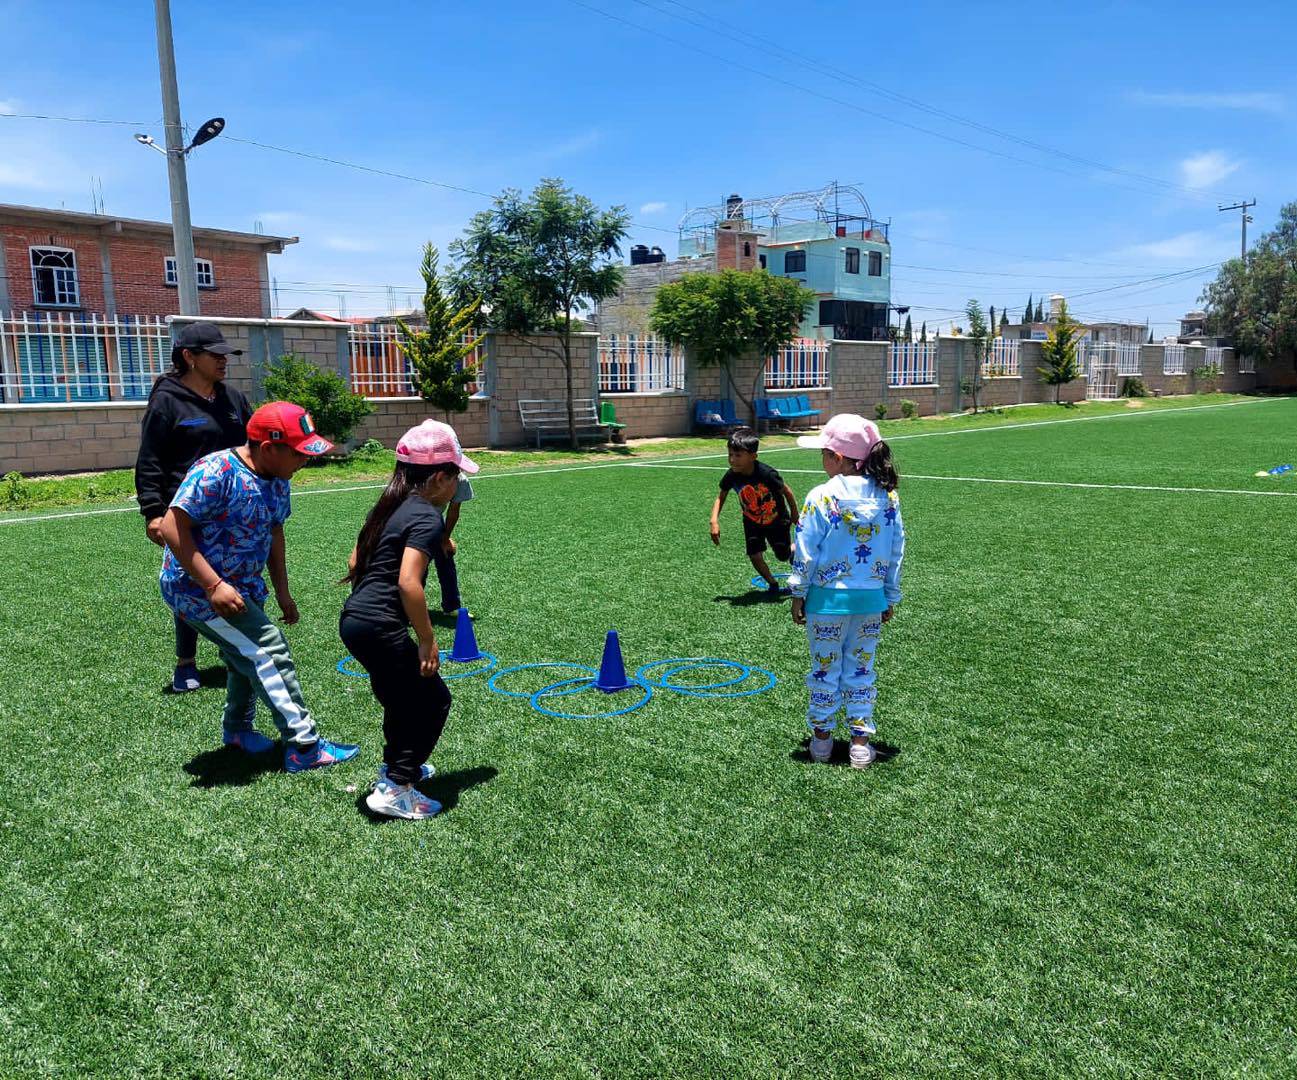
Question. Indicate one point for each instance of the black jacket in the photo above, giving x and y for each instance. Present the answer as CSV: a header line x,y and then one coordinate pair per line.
x,y
178,428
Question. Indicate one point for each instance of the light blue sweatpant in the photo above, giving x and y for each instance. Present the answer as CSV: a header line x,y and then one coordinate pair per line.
x,y
842,670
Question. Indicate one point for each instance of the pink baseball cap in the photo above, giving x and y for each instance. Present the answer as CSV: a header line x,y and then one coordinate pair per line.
x,y
847,434
433,443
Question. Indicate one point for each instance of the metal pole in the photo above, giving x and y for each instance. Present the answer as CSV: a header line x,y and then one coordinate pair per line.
x,y
1242,207
182,229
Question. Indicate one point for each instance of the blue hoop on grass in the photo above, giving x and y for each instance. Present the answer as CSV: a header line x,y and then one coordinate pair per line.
x,y
490,683
704,690
759,582
554,691
342,669
475,671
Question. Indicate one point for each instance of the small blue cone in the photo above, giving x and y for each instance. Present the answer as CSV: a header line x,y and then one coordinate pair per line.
x,y
612,672
465,649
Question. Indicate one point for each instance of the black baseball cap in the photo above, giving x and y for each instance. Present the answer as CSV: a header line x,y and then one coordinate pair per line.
x,y
204,337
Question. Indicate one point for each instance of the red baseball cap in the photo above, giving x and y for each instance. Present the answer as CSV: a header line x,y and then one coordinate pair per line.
x,y
289,424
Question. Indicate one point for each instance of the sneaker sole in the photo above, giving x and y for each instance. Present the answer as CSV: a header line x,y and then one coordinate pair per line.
x,y
387,810
862,764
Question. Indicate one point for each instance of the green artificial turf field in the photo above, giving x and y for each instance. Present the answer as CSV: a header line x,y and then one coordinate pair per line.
x,y
1076,855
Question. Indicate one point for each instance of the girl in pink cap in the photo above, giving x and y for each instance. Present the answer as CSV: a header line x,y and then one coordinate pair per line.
x,y
846,578
388,570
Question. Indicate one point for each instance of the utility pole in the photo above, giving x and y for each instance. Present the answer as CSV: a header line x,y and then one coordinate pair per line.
x,y
182,229
1241,206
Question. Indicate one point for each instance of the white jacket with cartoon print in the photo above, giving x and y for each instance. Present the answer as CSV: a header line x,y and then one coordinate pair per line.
x,y
850,536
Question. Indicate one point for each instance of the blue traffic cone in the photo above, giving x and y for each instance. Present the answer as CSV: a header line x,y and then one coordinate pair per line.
x,y
612,672
465,649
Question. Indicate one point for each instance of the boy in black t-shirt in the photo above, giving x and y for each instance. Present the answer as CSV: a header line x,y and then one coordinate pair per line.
x,y
769,505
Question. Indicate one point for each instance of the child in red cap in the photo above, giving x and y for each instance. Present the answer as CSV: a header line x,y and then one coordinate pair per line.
x,y
224,526
388,571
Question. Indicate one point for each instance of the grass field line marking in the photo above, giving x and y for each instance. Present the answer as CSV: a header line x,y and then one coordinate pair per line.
x,y
665,461
1028,483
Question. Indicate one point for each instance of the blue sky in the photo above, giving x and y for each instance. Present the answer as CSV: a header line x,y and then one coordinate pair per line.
x,y
1143,117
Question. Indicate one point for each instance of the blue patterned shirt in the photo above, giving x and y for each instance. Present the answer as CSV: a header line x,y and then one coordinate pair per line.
x,y
233,511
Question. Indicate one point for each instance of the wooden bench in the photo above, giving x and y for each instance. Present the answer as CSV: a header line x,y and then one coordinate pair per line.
x,y
547,417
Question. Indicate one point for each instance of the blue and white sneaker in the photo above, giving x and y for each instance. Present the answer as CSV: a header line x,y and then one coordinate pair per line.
x,y
185,679
401,801
426,772
299,759
249,740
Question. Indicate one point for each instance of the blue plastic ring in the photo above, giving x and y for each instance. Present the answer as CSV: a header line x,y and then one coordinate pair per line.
x,y
553,689
760,582
342,668
705,692
475,671
490,683
744,672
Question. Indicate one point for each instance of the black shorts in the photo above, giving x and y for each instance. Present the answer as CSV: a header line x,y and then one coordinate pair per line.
x,y
778,535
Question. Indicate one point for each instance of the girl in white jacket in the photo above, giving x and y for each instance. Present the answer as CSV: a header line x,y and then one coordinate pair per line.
x,y
846,578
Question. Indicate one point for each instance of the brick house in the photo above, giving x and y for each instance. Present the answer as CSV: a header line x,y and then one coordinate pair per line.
x,y
107,266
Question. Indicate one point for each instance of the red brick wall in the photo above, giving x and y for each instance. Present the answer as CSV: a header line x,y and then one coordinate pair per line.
x,y
729,250
138,272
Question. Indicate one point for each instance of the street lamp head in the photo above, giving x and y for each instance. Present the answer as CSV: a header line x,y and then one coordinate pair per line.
x,y
147,140
208,132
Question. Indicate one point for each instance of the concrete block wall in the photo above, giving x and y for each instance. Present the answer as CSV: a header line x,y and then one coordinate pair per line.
x,y
69,438
652,416
393,417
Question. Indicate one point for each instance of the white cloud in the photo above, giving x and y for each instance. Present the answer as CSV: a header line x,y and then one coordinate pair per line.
x,y
1193,245
652,207
1258,102
8,106
280,217
1208,168
347,243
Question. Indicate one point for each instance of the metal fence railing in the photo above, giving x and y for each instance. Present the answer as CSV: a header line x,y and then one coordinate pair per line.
x,y
379,368
1172,359
803,365
1246,364
1215,358
1002,363
48,358
912,363
639,364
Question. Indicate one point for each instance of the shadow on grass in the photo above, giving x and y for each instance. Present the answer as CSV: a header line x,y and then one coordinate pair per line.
x,y
444,787
231,767
883,752
209,678
752,596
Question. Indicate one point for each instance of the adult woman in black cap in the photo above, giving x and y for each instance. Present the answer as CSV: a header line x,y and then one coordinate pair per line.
x,y
191,413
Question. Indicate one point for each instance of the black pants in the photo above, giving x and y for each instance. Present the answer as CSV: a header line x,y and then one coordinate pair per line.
x,y
186,639
414,708
447,578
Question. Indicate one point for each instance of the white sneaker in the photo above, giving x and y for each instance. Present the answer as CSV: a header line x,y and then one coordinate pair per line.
x,y
861,756
426,772
401,800
821,749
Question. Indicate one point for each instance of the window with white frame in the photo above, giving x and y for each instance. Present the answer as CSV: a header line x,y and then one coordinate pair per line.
x,y
203,269
54,277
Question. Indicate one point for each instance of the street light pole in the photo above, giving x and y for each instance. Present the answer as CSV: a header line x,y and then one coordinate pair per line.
x,y
182,228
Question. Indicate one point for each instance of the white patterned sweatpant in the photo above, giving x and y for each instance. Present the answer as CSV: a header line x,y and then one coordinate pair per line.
x,y
842,670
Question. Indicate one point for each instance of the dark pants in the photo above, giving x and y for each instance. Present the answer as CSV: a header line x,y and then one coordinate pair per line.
x,y
414,708
186,639
448,579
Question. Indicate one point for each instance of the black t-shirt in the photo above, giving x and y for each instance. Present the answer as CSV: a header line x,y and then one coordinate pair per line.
x,y
761,494
376,597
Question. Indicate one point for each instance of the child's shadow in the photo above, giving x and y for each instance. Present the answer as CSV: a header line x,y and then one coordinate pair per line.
x,y
749,598
444,787
209,678
232,767
883,752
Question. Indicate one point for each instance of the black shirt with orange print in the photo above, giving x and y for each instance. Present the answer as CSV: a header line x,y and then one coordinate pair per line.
x,y
761,495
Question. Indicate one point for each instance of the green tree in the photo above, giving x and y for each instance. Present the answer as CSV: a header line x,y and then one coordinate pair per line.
x,y
990,321
1058,353
979,338
1040,311
909,329
923,333
1004,321
1150,336
1029,314
326,395
1254,300
721,317
438,353
536,262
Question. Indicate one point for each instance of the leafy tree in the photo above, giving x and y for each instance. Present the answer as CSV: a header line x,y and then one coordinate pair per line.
x,y
1040,311
437,354
535,262
1150,336
979,337
1254,300
1027,315
990,320
923,333
1004,321
1058,353
721,317
326,395
909,329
